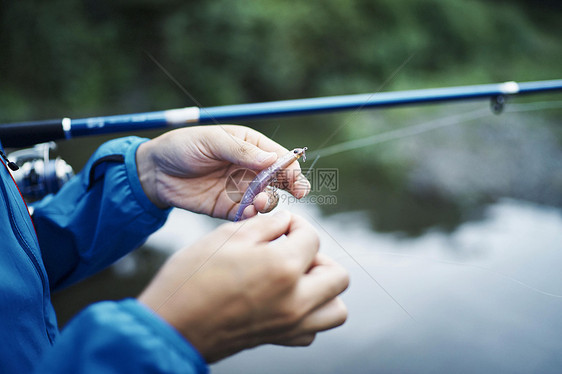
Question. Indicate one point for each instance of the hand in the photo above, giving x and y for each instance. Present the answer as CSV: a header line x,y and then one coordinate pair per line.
x,y
239,287
189,168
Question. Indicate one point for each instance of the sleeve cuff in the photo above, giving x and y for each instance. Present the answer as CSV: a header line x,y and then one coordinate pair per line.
x,y
120,337
155,323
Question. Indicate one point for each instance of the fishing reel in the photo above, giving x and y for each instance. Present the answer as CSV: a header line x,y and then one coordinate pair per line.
x,y
38,175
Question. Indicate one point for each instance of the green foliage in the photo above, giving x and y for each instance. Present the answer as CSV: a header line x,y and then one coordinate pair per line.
x,y
90,57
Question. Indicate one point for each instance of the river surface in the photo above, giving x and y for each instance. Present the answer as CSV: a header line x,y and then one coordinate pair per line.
x,y
484,298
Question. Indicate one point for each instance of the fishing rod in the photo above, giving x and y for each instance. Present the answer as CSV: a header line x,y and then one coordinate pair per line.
x,y
40,175
29,133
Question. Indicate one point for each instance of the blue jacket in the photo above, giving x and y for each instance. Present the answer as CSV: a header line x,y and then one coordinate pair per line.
x,y
98,216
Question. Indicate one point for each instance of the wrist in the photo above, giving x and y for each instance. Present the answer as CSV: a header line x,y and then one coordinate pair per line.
x,y
148,173
183,320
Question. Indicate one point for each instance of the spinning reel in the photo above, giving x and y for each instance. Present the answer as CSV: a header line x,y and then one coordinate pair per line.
x,y
38,175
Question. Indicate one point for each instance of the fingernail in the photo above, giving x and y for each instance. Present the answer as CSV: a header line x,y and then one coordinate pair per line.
x,y
301,188
272,201
264,156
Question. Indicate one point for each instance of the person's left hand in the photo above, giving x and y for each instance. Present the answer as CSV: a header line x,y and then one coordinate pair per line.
x,y
189,168
263,281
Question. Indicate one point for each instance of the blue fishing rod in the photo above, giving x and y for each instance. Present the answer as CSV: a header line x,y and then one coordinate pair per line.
x,y
29,133
40,175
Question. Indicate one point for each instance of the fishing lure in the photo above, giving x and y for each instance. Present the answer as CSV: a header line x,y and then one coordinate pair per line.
x,y
265,177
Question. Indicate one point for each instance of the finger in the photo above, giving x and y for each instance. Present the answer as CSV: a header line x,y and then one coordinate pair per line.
x,y
247,155
267,227
302,340
322,260
255,137
251,149
328,316
301,243
322,283
249,212
246,147
292,180
300,187
266,201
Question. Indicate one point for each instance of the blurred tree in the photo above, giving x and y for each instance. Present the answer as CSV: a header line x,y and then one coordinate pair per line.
x,y
85,57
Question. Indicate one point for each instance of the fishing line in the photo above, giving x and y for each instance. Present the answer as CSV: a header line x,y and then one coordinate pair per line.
x,y
327,140
311,167
363,268
358,109
416,130
275,131
478,267
186,92
188,278
384,137
539,105
429,126
403,132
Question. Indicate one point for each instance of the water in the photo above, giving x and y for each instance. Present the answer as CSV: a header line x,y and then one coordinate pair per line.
x,y
478,296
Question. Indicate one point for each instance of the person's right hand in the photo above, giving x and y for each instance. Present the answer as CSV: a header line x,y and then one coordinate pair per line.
x,y
191,168
245,284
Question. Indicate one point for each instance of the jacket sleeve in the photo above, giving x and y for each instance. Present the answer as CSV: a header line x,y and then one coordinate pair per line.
x,y
97,217
121,337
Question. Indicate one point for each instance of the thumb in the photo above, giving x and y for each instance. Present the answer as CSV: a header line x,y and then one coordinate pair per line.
x,y
244,154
